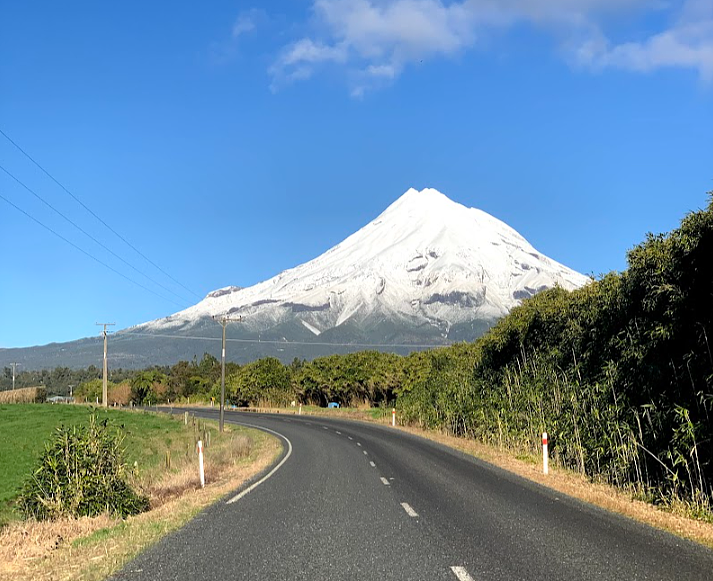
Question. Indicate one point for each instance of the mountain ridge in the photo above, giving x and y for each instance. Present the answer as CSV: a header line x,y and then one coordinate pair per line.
x,y
424,259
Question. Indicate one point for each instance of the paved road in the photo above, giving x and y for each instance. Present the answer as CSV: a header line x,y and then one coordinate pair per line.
x,y
360,501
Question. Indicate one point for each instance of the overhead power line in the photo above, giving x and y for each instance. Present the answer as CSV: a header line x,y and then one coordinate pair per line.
x,y
88,235
76,199
274,342
121,274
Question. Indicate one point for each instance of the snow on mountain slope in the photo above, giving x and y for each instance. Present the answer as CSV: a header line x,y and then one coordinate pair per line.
x,y
425,261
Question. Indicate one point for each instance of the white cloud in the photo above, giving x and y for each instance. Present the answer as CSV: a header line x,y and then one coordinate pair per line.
x,y
374,41
244,23
247,21
376,38
308,51
686,44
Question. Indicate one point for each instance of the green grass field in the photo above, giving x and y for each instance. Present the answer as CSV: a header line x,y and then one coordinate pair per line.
x,y
24,429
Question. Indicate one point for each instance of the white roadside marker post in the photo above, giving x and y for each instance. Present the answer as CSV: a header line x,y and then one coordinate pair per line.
x,y
393,416
545,455
299,413
200,463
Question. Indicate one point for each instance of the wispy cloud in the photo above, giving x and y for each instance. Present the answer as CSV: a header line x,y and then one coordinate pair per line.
x,y
688,43
245,23
374,41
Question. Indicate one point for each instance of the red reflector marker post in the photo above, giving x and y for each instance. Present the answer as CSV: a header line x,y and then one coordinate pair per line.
x,y
545,454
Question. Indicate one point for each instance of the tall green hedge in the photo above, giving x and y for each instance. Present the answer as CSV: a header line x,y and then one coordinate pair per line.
x,y
619,373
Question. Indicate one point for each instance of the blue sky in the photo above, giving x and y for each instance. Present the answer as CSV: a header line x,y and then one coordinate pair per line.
x,y
232,140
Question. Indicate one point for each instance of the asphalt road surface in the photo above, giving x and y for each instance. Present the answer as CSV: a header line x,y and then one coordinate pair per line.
x,y
366,502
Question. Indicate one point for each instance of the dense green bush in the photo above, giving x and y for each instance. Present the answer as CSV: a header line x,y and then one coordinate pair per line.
x,y
91,391
81,473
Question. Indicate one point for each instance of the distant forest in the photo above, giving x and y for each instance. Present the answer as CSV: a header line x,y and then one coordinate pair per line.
x,y
619,373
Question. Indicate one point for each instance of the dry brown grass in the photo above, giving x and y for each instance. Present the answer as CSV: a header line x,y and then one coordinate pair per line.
x,y
185,479
93,548
24,395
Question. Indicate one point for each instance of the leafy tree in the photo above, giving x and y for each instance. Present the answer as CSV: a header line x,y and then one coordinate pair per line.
x,y
148,386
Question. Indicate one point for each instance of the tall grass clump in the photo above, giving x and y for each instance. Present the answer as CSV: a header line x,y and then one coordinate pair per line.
x,y
81,473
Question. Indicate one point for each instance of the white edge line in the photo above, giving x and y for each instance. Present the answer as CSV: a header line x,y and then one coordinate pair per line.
x,y
275,469
461,573
386,482
409,509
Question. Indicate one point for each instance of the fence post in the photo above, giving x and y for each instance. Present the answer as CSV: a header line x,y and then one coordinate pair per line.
x,y
200,463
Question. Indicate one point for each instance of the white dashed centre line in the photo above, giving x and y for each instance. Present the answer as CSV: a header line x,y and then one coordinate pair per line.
x,y
358,443
386,482
350,437
325,428
372,464
409,509
365,453
338,432
461,573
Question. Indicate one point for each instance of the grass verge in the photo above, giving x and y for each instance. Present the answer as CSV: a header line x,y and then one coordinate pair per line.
x,y
24,429
92,548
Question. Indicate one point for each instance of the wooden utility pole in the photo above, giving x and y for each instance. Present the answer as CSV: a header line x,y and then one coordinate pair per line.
x,y
14,365
105,373
223,320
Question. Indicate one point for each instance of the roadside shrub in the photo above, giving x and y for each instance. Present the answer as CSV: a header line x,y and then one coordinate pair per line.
x,y
91,391
120,393
81,473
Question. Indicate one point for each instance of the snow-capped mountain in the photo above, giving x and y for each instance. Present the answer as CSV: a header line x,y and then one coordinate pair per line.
x,y
427,267
427,271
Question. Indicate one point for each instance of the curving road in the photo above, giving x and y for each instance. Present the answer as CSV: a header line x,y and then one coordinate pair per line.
x,y
362,501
